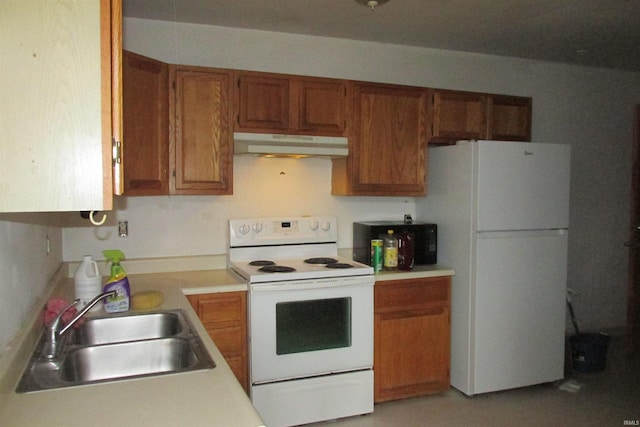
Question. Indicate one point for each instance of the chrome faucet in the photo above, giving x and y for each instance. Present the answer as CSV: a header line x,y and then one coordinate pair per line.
x,y
53,331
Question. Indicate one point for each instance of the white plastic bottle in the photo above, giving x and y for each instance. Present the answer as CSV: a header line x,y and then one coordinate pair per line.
x,y
88,283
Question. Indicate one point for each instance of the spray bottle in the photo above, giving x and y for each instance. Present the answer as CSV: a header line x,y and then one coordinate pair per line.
x,y
118,282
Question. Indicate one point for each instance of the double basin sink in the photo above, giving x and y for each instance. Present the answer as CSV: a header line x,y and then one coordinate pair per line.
x,y
118,347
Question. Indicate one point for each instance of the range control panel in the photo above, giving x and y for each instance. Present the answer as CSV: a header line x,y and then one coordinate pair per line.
x,y
282,231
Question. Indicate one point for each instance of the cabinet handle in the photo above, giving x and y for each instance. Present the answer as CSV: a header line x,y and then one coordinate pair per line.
x,y
96,222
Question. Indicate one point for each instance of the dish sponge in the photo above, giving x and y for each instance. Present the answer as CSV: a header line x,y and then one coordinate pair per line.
x,y
145,300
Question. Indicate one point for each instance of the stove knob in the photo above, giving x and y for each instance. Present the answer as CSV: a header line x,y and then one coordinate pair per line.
x,y
257,227
314,225
244,229
326,226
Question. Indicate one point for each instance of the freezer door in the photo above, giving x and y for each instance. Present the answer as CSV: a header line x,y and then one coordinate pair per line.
x,y
521,186
519,310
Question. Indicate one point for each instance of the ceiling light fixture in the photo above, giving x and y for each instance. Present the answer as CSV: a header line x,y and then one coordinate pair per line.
x,y
371,3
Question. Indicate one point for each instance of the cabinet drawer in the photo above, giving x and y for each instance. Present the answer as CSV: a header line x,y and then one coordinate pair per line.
x,y
221,308
411,293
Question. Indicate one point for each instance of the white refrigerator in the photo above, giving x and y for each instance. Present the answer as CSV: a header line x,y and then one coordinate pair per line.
x,y
502,210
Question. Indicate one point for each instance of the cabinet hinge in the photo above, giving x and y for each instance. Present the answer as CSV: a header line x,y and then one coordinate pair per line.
x,y
116,151
173,173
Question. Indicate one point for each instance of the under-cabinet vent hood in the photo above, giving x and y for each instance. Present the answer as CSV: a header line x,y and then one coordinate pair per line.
x,y
278,145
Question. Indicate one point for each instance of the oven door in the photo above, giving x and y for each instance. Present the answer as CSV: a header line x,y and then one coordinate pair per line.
x,y
305,328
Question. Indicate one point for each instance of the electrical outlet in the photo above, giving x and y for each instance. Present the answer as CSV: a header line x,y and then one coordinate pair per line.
x,y
123,228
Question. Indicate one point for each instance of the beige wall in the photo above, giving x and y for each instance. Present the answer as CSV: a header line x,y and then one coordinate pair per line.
x,y
25,266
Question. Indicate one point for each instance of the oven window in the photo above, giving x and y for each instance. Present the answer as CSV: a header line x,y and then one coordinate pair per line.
x,y
321,324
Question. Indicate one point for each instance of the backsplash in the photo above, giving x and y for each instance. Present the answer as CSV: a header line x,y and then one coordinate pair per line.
x,y
198,225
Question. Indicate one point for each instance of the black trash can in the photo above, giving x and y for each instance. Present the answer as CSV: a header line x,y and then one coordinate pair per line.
x,y
589,352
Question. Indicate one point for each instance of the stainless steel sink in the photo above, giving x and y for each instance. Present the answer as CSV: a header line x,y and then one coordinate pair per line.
x,y
132,327
114,348
128,359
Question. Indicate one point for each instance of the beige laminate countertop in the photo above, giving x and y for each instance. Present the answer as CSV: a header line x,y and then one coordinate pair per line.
x,y
419,271
201,398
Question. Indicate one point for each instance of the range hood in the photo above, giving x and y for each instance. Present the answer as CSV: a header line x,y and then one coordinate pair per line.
x,y
278,145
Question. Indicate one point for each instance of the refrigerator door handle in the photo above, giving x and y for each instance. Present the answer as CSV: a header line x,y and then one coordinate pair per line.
x,y
521,233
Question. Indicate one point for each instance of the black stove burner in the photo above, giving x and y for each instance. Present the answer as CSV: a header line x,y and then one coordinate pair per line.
x,y
320,260
276,269
261,262
339,265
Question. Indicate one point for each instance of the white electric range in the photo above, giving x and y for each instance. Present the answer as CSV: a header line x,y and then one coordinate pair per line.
x,y
310,320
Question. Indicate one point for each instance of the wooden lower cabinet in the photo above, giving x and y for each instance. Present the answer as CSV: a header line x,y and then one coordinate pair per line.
x,y
224,316
412,337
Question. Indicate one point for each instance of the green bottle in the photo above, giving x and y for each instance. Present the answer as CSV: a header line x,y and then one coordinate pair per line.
x,y
118,282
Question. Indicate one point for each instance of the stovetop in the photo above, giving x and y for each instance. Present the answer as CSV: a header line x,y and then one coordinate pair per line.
x,y
298,269
287,242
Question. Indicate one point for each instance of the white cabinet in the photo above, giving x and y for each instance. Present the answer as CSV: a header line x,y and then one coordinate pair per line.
x,y
60,104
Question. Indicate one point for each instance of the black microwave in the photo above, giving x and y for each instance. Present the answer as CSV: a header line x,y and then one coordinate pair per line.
x,y
425,239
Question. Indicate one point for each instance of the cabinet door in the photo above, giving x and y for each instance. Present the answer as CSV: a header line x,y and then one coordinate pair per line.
x,y
412,337
322,106
57,107
146,127
414,362
203,140
224,317
509,118
388,150
459,115
114,51
263,103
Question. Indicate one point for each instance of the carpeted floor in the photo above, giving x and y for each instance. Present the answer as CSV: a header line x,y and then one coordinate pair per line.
x,y
607,398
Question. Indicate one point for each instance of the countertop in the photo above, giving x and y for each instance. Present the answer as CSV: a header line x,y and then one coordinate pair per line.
x,y
201,398
419,271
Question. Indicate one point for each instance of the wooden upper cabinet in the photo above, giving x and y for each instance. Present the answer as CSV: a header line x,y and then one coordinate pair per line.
x,y
509,118
146,125
112,47
321,105
177,129
203,140
263,102
468,115
60,104
387,151
459,115
290,104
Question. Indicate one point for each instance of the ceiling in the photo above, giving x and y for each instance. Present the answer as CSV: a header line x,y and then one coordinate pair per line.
x,y
600,33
